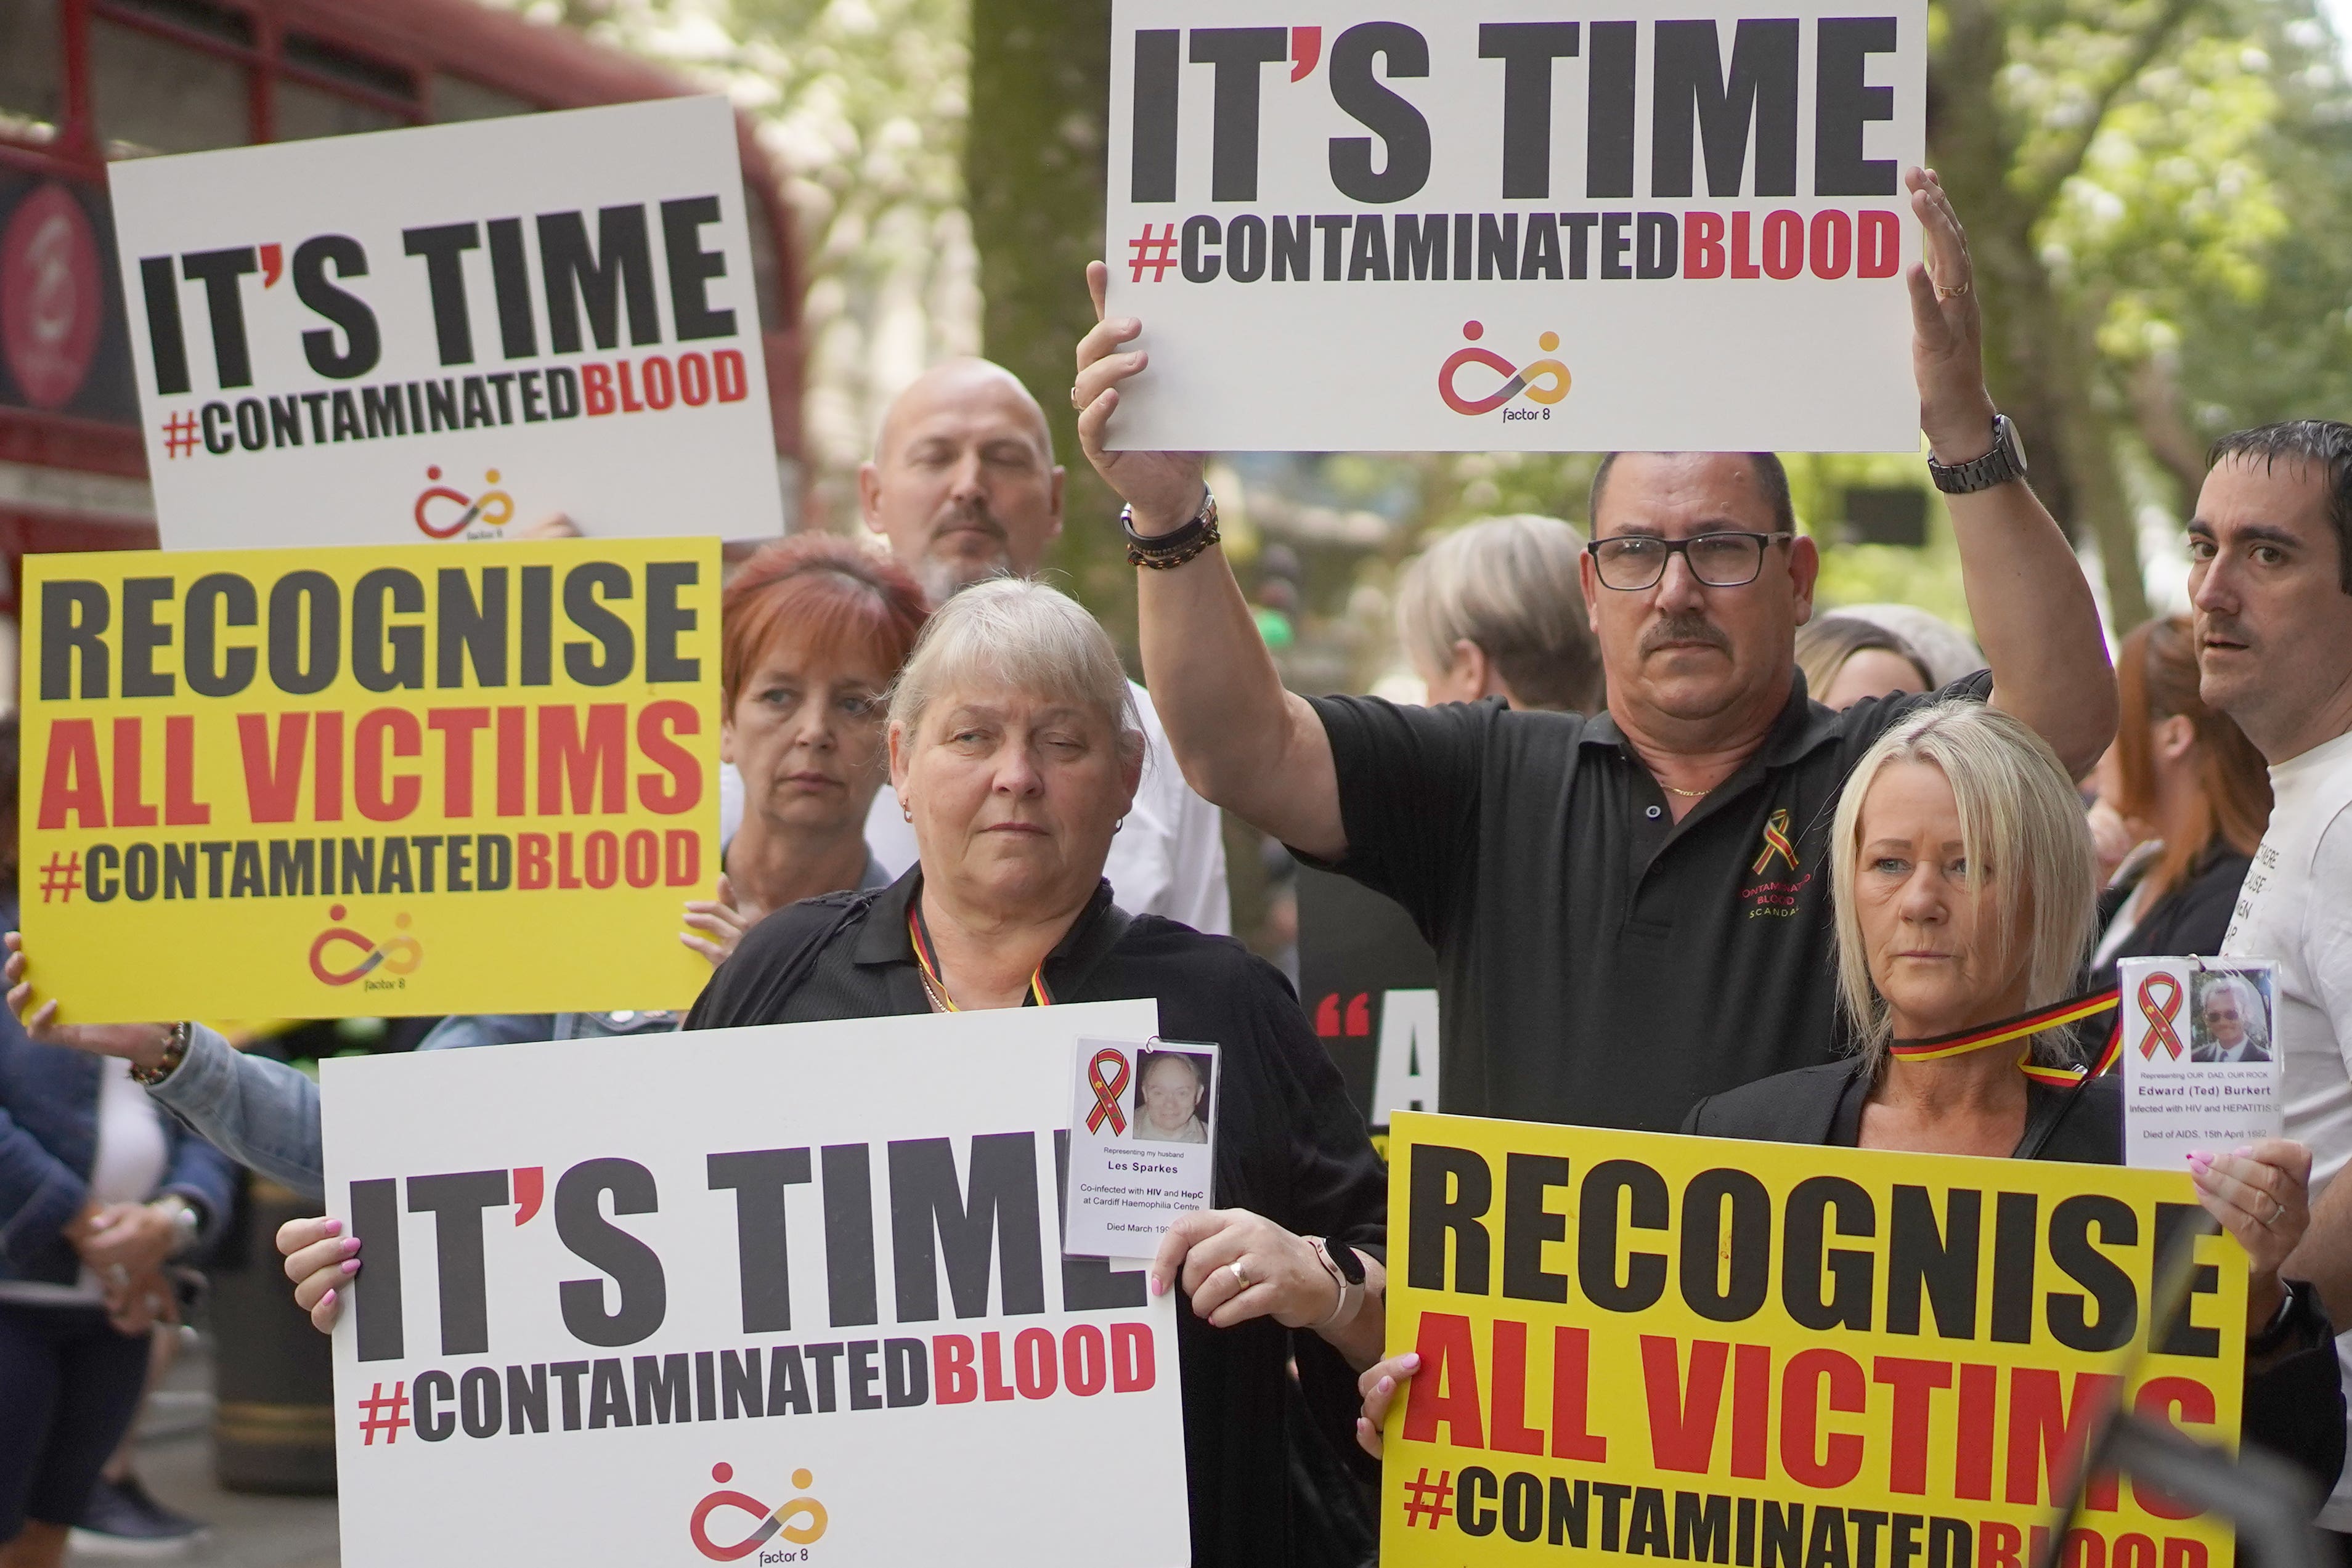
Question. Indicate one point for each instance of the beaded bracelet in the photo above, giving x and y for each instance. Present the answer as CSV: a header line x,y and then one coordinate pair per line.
x,y
175,1050
1171,549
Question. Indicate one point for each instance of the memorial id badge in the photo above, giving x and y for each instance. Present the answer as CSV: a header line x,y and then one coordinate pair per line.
x,y
1143,1130
2201,1061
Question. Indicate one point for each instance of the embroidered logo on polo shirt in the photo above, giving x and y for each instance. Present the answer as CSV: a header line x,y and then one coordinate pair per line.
x,y
1776,899
1776,843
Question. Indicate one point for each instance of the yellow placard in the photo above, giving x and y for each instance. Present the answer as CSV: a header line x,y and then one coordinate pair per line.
x,y
1636,1345
334,782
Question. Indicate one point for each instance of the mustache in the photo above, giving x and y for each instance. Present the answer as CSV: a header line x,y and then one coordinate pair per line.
x,y
1687,626
2224,627
972,514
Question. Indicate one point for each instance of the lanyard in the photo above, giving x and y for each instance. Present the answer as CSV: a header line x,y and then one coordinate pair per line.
x,y
922,938
2091,1004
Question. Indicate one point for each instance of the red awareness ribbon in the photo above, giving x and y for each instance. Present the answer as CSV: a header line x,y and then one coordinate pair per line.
x,y
2159,1015
1107,1092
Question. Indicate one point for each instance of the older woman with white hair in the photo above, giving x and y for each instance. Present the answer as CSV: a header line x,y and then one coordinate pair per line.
x,y
1015,751
1962,874
1495,609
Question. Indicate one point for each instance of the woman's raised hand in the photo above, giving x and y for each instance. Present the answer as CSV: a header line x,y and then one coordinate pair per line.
x,y
320,1260
2261,1192
722,919
1164,487
1379,1385
141,1043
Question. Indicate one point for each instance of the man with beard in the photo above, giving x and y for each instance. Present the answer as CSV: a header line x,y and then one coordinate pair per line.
x,y
2270,577
1628,907
965,487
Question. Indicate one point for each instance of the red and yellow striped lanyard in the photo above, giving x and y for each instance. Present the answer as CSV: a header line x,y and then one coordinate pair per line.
x,y
2023,1027
922,938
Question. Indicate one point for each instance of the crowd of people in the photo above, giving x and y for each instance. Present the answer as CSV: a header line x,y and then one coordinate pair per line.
x,y
1652,796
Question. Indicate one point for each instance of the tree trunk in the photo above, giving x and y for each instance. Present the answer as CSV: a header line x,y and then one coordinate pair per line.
x,y
2040,361
1034,167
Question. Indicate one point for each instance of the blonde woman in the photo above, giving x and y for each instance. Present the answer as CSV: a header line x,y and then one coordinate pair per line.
x,y
1962,874
1495,609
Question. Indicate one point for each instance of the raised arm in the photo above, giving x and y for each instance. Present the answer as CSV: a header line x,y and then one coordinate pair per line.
x,y
1242,741
2033,609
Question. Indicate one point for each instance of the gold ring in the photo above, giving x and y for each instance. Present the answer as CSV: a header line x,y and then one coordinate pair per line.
x,y
1952,293
1239,1278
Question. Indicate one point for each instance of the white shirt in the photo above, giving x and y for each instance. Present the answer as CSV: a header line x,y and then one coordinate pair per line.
x,y
127,1166
2295,909
1168,859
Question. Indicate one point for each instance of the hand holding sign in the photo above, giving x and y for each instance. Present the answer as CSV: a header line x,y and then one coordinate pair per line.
x,y
142,1044
2261,1194
1164,487
1236,1266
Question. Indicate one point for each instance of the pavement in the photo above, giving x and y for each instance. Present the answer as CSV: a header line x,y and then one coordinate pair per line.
x,y
246,1530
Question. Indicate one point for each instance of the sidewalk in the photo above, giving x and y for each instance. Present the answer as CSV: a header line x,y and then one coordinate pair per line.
x,y
248,1531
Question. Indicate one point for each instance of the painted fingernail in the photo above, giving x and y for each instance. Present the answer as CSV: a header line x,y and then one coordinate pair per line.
x,y
2200,1161
351,1265
1387,1386
332,1227
2243,1152
1410,1361
1159,1285
351,1244
327,1300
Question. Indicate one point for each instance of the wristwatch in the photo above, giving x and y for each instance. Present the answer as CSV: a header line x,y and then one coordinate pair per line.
x,y
2005,462
2296,1317
1347,1271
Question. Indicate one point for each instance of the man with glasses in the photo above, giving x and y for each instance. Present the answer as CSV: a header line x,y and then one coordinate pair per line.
x,y
1629,907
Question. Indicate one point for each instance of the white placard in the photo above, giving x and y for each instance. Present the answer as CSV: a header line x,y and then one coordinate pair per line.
x,y
446,332
2200,1065
1143,1143
1515,224
642,1300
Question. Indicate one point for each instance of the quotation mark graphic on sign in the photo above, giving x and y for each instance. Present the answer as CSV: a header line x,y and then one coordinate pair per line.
x,y
179,435
375,1419
1157,252
1429,1498
61,877
1544,381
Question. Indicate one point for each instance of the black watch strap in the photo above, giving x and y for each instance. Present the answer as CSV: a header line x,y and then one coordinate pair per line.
x,y
1344,1259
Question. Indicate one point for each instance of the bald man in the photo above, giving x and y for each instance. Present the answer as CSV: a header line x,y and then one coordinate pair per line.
x,y
963,485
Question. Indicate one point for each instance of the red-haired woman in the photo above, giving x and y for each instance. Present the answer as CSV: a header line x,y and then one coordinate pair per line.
x,y
2188,783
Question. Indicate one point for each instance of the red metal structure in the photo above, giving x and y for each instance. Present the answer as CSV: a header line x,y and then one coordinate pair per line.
x,y
84,82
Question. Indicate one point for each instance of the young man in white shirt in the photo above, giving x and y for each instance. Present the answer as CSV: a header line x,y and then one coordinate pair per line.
x,y
2270,580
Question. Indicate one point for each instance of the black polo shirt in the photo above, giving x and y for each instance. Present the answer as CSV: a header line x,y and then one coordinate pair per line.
x,y
1598,962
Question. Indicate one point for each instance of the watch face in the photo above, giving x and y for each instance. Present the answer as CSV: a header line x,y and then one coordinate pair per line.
x,y
2015,443
1351,1267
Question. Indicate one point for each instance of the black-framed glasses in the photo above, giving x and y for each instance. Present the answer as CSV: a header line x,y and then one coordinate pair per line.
x,y
1631,562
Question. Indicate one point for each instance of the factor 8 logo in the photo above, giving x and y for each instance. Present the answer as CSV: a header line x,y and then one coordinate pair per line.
x,y
443,513
396,958
799,1520
1544,381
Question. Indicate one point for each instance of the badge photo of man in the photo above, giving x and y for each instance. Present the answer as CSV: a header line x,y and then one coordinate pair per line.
x,y
2232,1024
1171,1098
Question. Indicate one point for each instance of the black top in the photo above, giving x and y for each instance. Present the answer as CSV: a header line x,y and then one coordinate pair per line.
x,y
1578,927
2295,1399
2192,918
1290,1148
1823,1105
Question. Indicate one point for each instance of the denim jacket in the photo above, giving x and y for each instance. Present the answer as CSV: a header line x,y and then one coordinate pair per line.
x,y
49,1139
266,1114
